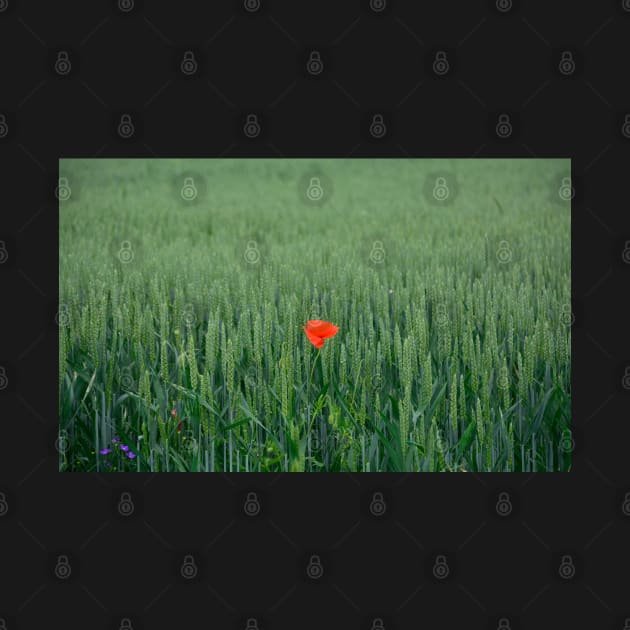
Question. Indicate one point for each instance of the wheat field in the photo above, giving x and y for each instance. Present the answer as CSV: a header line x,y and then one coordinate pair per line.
x,y
184,286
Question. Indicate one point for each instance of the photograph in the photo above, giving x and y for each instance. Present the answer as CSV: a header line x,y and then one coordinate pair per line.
x,y
315,315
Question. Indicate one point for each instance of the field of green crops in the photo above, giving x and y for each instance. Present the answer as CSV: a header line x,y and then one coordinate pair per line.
x,y
184,285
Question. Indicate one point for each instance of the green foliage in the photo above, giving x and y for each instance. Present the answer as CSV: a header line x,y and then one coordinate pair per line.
x,y
449,356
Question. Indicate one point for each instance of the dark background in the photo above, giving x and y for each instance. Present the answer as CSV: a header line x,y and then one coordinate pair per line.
x,y
558,557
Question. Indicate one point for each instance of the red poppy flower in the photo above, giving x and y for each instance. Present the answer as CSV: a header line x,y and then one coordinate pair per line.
x,y
317,330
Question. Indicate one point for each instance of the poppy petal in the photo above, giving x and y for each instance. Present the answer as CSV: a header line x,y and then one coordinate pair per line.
x,y
322,328
331,331
318,326
316,340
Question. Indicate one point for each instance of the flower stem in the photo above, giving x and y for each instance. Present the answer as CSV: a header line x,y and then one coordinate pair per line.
x,y
308,390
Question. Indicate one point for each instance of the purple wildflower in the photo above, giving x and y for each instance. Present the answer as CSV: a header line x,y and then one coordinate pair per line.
x,y
108,464
131,455
116,440
124,447
105,451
